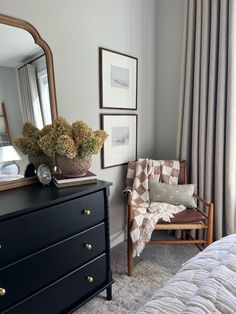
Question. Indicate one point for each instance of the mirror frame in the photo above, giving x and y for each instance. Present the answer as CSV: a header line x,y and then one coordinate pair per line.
x,y
16,22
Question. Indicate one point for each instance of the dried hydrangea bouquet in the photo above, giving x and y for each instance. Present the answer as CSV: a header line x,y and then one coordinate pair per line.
x,y
71,145
28,144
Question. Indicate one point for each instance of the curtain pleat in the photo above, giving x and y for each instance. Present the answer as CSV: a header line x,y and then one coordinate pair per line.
x,y
210,136
185,129
196,93
26,95
207,130
221,106
230,138
203,97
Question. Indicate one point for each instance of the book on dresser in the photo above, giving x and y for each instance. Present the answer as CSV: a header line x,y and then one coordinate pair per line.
x,y
62,181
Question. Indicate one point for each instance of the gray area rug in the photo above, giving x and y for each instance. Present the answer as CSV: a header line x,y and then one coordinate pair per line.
x,y
129,293
155,266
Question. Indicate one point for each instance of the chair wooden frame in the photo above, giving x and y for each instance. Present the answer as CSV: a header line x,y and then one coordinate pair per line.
x,y
207,225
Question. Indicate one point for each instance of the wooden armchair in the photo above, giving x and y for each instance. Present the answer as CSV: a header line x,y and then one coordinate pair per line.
x,y
189,219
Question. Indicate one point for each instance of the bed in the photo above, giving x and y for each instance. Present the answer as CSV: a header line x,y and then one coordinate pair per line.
x,y
204,284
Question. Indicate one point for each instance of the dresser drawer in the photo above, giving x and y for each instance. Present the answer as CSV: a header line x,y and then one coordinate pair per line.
x,y
34,231
71,289
31,274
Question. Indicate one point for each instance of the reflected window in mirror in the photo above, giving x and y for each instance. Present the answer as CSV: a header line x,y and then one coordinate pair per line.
x,y
44,96
34,91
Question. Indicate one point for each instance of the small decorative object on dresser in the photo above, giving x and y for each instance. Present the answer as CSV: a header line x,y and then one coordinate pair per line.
x,y
44,174
54,248
30,171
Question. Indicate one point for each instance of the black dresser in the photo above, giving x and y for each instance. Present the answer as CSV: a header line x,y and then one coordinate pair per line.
x,y
54,248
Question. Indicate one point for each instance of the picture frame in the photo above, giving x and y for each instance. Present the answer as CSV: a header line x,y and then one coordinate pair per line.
x,y
118,80
121,145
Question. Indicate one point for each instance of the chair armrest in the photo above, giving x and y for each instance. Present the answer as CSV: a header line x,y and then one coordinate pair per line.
x,y
205,202
209,215
209,205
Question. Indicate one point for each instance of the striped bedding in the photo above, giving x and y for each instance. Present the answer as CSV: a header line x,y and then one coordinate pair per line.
x,y
205,284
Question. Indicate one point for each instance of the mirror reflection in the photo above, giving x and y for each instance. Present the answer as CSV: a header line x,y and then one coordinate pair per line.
x,y
24,91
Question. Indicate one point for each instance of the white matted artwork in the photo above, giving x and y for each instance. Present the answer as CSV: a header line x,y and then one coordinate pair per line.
x,y
118,80
121,145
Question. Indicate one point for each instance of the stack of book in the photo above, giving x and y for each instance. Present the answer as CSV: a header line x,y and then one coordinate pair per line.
x,y
62,181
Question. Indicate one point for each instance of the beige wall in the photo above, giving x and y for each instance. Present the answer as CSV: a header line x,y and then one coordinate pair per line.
x,y
169,34
74,30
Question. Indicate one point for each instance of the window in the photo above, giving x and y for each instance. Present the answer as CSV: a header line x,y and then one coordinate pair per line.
x,y
44,96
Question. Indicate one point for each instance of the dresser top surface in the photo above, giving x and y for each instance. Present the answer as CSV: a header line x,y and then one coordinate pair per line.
x,y
28,198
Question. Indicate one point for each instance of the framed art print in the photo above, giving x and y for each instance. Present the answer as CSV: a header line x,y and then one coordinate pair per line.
x,y
121,145
118,75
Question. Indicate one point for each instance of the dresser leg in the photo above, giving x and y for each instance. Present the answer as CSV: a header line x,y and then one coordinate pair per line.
x,y
109,294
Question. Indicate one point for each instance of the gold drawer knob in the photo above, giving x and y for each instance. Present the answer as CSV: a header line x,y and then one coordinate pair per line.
x,y
2,292
87,212
90,279
88,246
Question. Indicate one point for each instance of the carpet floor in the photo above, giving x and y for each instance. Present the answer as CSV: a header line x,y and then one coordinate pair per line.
x,y
156,265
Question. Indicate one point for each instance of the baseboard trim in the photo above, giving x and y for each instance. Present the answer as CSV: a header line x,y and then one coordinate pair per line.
x,y
117,238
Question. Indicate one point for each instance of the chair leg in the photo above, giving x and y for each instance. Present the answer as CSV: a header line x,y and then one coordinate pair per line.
x,y
129,244
129,256
210,225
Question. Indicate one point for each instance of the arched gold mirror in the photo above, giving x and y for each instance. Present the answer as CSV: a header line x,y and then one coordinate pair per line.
x,y
23,50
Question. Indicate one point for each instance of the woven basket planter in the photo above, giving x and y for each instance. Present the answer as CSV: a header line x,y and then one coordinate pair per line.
x,y
75,167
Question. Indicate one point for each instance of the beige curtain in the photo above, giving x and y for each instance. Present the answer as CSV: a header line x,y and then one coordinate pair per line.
x,y
31,108
207,122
